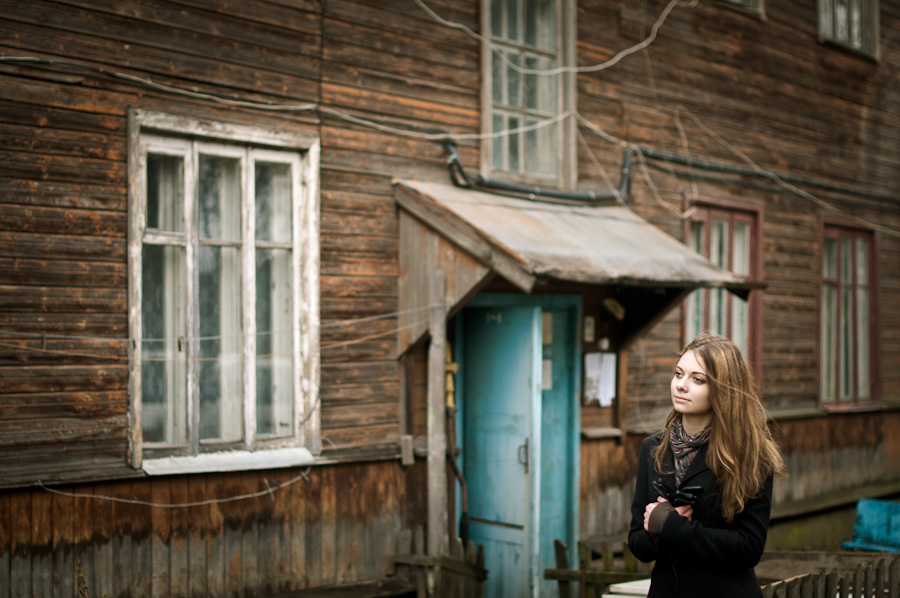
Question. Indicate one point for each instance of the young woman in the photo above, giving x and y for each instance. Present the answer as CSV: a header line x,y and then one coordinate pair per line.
x,y
704,484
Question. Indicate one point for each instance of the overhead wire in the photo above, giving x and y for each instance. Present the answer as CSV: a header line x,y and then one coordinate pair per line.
x,y
108,357
443,136
417,134
593,68
269,490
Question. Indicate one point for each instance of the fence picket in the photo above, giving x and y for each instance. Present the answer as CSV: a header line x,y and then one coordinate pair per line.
x,y
831,584
894,578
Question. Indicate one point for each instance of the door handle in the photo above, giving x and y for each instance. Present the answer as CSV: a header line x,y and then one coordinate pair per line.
x,y
523,455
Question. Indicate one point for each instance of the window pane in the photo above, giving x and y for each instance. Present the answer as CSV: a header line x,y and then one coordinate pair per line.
x,y
845,348
513,80
165,194
163,332
220,344
846,260
540,24
274,343
827,363
717,310
718,243
718,249
273,202
694,314
740,257
855,25
513,144
862,262
694,323
696,236
499,143
541,155
829,259
512,32
498,79
540,90
497,12
863,358
220,388
740,264
219,198
740,323
840,20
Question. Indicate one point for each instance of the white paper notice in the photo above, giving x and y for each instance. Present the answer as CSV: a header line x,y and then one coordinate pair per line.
x,y
547,374
600,378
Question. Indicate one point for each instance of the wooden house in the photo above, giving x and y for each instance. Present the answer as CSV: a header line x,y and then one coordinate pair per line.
x,y
265,264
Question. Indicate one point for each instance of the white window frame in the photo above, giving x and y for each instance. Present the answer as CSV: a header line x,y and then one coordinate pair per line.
x,y
183,136
566,177
862,30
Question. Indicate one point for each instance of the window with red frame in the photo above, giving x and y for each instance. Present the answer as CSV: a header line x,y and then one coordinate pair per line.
x,y
846,359
729,239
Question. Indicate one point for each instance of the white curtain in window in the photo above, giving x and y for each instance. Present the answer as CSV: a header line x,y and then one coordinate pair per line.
x,y
274,328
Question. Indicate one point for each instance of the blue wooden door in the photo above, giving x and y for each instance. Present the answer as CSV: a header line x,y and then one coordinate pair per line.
x,y
501,386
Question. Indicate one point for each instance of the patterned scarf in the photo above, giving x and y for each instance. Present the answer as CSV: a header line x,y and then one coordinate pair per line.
x,y
684,447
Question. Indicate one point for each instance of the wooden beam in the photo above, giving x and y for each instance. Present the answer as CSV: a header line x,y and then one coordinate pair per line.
x,y
422,251
461,233
437,440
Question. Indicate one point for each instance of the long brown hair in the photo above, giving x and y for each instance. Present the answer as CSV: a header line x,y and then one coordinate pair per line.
x,y
742,453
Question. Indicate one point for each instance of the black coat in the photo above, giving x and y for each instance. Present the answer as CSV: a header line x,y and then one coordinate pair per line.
x,y
705,557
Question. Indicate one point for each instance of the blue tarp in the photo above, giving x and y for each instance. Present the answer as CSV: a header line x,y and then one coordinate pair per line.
x,y
877,526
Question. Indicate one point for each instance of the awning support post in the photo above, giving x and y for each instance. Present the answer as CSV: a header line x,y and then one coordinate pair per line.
x,y
437,439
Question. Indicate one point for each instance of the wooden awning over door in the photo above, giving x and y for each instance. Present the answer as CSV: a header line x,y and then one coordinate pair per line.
x,y
470,237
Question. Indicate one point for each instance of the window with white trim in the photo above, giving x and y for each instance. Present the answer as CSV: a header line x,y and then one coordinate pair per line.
x,y
847,361
850,23
526,41
223,270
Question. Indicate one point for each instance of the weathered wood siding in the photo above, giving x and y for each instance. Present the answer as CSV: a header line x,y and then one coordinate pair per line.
x,y
829,455
769,88
63,265
63,271
791,104
307,534
772,91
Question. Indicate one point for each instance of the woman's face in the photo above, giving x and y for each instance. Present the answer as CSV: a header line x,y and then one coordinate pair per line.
x,y
690,392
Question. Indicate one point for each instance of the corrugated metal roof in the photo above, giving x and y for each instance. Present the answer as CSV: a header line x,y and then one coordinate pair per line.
x,y
598,245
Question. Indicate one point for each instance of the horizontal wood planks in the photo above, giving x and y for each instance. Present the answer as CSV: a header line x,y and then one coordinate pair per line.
x,y
303,533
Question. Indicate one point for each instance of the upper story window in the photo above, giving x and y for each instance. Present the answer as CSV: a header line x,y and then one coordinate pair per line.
x,y
729,238
224,294
847,317
850,23
526,38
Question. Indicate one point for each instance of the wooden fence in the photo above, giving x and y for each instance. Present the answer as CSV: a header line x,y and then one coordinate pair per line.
x,y
617,565
874,576
461,574
784,574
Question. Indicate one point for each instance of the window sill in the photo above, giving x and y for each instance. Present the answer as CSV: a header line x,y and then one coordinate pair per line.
x,y
229,461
